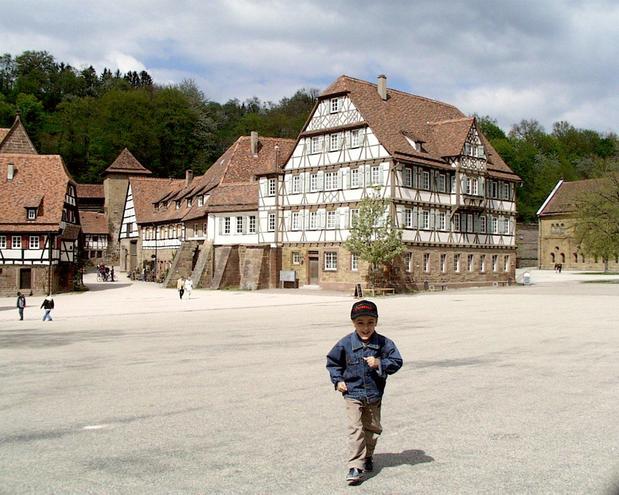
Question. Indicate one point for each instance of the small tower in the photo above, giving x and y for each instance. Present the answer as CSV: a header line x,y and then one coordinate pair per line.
x,y
115,186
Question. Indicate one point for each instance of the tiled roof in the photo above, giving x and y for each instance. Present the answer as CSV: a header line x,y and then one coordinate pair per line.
x,y
90,191
36,176
126,163
563,199
441,127
16,139
145,191
234,197
93,222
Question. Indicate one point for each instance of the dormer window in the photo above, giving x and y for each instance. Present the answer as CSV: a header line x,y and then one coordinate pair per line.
x,y
177,204
189,202
335,105
31,213
201,200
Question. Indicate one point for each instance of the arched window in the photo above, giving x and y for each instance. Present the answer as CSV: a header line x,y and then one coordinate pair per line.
x,y
552,257
582,258
562,257
575,257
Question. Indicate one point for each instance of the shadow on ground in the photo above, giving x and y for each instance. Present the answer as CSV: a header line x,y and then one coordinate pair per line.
x,y
97,286
409,457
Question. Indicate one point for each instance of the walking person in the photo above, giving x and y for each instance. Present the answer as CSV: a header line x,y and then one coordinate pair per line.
x,y
21,304
358,366
180,285
48,305
188,287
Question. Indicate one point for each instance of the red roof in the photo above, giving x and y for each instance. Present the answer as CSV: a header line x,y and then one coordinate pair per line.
x,y
90,191
93,222
565,196
126,163
16,139
41,179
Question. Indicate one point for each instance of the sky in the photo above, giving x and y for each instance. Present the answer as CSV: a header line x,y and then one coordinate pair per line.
x,y
548,60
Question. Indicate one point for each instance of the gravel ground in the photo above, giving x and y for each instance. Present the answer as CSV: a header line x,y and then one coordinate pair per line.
x,y
132,391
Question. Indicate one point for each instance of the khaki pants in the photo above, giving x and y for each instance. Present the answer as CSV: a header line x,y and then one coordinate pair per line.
x,y
363,430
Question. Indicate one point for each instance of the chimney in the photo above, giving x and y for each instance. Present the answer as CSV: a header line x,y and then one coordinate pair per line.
x,y
382,86
254,143
188,177
10,173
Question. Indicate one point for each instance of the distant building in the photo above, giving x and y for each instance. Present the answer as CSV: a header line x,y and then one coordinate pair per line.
x,y
95,236
557,243
527,242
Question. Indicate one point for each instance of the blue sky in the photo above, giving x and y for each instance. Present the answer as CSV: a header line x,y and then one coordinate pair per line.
x,y
547,60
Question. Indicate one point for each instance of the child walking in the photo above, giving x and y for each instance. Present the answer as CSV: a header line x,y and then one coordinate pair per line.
x,y
358,365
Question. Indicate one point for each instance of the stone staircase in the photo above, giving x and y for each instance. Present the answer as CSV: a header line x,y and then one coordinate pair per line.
x,y
252,268
222,255
181,264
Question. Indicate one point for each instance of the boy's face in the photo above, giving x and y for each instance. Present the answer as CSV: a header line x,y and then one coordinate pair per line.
x,y
364,326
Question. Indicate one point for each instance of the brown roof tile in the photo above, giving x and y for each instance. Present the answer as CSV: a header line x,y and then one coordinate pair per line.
x,y
145,191
440,126
90,191
16,140
234,197
126,163
93,222
36,176
564,198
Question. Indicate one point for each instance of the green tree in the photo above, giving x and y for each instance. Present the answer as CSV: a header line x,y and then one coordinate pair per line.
x,y
597,220
374,237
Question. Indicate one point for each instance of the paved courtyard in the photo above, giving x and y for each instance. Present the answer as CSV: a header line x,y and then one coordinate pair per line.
x,y
131,391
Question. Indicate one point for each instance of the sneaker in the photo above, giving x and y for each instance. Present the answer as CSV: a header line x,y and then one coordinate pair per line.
x,y
354,475
368,464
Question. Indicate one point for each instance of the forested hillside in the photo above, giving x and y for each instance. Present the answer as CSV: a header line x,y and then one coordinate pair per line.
x,y
89,117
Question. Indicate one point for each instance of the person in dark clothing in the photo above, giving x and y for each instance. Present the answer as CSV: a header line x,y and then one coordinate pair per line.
x,y
48,305
358,366
21,304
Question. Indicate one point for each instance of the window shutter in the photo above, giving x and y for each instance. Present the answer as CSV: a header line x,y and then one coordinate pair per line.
x,y
432,219
399,215
305,179
321,181
368,176
415,215
321,219
221,225
288,183
381,175
345,176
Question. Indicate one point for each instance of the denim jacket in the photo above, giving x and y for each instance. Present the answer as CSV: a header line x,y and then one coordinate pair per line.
x,y
345,363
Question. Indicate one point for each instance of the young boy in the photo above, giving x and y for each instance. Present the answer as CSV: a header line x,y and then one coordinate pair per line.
x,y
359,364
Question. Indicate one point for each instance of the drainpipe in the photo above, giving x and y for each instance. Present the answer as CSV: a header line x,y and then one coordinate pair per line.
x,y
50,239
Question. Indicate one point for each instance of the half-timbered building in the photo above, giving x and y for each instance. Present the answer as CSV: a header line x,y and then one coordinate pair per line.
x,y
451,193
39,224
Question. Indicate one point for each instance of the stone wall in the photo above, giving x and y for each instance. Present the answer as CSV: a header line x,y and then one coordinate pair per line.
x,y
62,279
115,190
527,240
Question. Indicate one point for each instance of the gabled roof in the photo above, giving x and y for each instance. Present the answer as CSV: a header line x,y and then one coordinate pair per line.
x,y
145,191
126,163
440,126
16,139
38,179
234,197
565,196
90,191
93,222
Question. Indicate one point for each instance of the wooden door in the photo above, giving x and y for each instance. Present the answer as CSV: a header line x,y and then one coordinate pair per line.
x,y
313,270
133,255
25,278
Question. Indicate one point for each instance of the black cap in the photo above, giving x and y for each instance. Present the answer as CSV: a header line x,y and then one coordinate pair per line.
x,y
363,308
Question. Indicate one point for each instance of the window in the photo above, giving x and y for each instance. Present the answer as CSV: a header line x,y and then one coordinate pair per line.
x,y
177,204
189,202
425,180
252,225
296,183
469,222
335,105
375,175
334,141
443,263
495,262
474,187
480,152
456,222
271,222
354,216
456,262
426,262
354,177
313,220
16,242
354,138
506,263
408,261
483,223
441,183
294,223
330,261
453,184
466,185
34,242
315,145
296,258
408,218
226,225
204,226
494,222
272,187
2,242
239,225
469,262
493,189
468,149
354,263
331,181
32,214
313,182
95,238
506,191
425,220
482,263
408,177
201,200
331,219
575,256
440,221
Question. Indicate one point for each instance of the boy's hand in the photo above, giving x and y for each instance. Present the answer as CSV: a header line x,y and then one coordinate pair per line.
x,y
372,362
341,387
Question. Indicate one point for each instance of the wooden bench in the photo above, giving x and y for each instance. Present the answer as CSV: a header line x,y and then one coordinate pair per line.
x,y
379,291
